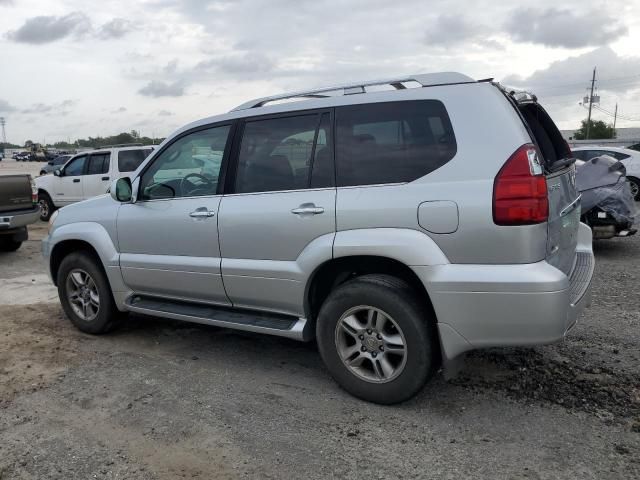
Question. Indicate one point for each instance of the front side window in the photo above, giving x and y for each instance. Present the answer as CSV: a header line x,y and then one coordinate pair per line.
x,y
130,160
98,164
392,142
279,154
188,167
75,167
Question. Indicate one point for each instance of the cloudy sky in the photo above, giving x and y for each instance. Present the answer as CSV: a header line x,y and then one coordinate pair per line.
x,y
71,68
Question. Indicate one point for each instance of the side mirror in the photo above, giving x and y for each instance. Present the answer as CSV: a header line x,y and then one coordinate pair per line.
x,y
121,190
57,173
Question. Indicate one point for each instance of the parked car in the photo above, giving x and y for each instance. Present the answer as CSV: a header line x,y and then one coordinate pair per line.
x,y
18,208
629,158
55,164
87,175
399,227
1,156
22,156
607,204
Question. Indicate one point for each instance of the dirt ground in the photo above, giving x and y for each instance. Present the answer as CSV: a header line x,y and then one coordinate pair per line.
x,y
158,399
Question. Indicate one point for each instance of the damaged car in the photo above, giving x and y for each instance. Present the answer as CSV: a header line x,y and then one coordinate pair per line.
x,y
607,202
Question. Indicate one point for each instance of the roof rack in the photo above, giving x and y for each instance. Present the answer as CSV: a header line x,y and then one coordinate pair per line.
x,y
118,145
424,79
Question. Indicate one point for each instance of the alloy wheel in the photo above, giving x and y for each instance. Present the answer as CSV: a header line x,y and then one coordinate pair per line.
x,y
82,294
371,344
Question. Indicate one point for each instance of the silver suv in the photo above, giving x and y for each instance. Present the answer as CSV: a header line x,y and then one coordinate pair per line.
x,y
400,223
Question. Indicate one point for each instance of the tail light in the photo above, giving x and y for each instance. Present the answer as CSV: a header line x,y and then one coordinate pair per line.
x,y
34,190
520,190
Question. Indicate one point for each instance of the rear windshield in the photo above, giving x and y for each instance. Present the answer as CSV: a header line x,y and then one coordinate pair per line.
x,y
545,133
130,160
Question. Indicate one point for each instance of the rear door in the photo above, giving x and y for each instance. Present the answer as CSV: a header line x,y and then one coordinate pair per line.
x,y
281,200
564,198
96,178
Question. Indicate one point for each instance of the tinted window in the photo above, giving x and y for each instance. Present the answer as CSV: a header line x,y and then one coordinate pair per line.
x,y
130,160
619,155
75,167
189,167
98,164
392,142
277,154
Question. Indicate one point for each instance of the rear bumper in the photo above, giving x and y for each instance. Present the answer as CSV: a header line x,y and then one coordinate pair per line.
x,y
18,219
481,306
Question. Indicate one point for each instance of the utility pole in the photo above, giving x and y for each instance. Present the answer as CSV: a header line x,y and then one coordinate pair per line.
x,y
593,81
3,122
615,116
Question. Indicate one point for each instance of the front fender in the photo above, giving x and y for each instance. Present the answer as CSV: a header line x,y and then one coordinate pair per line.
x,y
98,238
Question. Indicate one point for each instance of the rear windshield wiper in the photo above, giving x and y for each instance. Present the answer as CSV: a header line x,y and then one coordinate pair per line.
x,y
561,164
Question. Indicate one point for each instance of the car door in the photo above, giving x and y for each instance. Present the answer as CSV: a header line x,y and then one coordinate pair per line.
x,y
96,178
67,188
280,210
168,238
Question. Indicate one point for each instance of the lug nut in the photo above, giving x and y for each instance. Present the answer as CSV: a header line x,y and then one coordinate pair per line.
x,y
369,331
361,337
363,349
374,354
379,337
381,348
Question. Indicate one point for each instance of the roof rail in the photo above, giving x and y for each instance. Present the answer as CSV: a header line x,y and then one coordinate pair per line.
x,y
118,145
424,79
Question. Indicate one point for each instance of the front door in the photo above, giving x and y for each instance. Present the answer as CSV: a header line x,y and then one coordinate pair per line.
x,y
96,178
168,238
282,204
68,186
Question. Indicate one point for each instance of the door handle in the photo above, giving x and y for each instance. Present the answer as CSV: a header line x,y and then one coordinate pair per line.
x,y
105,178
202,213
307,209
76,180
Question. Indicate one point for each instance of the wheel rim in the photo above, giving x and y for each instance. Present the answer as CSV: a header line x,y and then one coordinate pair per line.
x,y
82,294
371,344
635,188
44,207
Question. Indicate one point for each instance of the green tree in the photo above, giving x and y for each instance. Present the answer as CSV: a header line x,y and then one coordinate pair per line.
x,y
598,129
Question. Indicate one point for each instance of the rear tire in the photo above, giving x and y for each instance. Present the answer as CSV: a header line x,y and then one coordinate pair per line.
x,y
46,206
85,294
634,183
376,339
9,245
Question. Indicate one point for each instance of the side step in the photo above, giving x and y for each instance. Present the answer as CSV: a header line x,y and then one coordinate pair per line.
x,y
247,320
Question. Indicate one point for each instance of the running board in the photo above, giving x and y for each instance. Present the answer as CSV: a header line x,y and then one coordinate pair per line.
x,y
248,320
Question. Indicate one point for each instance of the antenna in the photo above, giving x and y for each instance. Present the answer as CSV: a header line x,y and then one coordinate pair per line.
x,y
3,122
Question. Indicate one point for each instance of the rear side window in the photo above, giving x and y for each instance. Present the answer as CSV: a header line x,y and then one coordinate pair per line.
x,y
280,154
547,136
392,142
98,164
130,160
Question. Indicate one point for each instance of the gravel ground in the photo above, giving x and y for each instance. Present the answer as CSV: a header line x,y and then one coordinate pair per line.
x,y
158,399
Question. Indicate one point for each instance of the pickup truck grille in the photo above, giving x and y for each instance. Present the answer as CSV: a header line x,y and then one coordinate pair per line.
x,y
580,276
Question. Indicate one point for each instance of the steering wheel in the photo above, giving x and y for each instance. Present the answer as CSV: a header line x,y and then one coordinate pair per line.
x,y
206,181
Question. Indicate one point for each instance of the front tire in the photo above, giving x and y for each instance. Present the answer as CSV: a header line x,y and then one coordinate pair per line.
x,y
376,339
85,294
46,206
9,245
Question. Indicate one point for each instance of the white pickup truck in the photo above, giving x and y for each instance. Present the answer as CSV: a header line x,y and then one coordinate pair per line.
x,y
87,175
